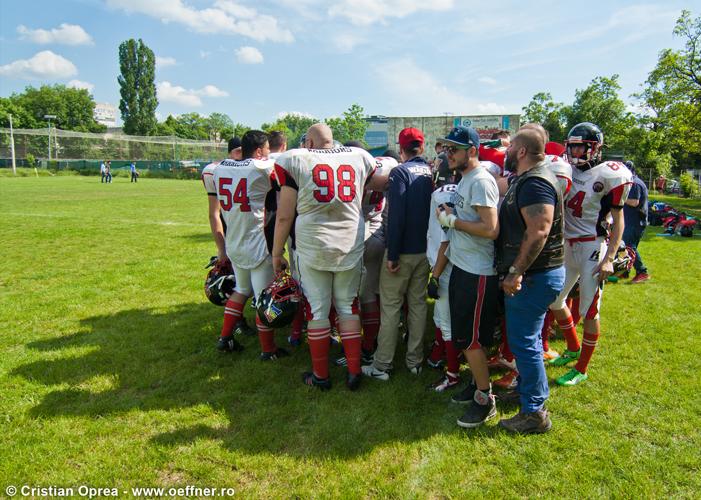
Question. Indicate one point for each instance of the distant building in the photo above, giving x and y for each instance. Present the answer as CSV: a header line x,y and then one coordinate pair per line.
x,y
105,114
383,131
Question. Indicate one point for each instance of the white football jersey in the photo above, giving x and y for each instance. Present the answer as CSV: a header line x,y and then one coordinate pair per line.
x,y
374,201
563,172
329,230
436,234
495,169
242,187
593,193
208,178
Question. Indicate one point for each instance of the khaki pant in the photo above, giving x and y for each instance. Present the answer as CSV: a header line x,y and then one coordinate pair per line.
x,y
410,280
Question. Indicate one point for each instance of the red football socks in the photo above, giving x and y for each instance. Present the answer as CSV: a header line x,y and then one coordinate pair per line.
x,y
589,341
318,338
233,311
266,336
570,332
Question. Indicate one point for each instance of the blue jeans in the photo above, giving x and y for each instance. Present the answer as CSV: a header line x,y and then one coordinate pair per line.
x,y
632,234
525,313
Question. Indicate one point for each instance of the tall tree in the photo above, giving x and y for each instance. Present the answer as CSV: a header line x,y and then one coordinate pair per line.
x,y
542,109
137,88
293,125
351,127
73,108
600,103
672,93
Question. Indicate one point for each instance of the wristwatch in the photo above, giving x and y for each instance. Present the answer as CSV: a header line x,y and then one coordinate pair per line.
x,y
514,270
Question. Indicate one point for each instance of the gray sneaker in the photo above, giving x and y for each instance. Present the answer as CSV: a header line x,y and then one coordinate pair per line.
x,y
416,370
371,371
537,422
466,396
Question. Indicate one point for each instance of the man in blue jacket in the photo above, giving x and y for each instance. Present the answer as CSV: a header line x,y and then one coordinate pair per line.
x,y
405,270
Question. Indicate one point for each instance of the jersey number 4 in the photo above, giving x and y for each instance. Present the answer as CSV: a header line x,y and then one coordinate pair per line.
x,y
323,177
576,203
239,196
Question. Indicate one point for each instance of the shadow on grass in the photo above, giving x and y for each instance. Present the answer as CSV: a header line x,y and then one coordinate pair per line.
x,y
198,237
145,359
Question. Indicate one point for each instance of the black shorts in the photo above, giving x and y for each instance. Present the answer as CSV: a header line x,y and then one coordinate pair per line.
x,y
474,302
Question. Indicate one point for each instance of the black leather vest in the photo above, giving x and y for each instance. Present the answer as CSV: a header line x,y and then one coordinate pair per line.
x,y
512,226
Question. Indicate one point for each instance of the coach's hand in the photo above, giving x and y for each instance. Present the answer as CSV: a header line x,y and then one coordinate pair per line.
x,y
393,266
512,284
432,290
279,264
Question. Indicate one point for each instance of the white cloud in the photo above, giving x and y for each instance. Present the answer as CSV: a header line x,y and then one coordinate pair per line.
x,y
249,55
43,65
346,42
205,54
78,84
163,62
365,12
168,92
67,34
224,17
211,91
409,86
487,80
301,114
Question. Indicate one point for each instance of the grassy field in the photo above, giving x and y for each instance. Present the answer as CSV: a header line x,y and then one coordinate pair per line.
x,y
109,376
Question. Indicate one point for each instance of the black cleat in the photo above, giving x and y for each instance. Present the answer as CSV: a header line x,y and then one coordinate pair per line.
x,y
353,381
308,378
242,328
229,344
273,356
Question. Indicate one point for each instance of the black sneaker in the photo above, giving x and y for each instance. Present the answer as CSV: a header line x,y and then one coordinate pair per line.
x,y
229,344
465,396
353,381
242,328
537,422
367,357
478,414
272,356
308,378
340,361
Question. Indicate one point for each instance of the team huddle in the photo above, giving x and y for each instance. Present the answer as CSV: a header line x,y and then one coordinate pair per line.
x,y
501,235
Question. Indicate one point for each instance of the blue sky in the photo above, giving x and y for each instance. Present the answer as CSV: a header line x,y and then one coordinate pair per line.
x,y
255,60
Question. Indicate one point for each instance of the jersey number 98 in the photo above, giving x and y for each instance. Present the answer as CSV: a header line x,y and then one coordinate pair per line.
x,y
323,177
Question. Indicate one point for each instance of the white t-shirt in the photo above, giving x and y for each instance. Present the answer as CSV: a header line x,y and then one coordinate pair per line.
x,y
329,230
588,205
436,234
473,254
242,188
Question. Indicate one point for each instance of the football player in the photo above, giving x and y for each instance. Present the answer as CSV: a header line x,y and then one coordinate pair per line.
x,y
324,183
593,213
243,187
441,268
215,221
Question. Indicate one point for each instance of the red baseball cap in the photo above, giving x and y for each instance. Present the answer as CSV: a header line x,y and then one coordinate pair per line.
x,y
409,136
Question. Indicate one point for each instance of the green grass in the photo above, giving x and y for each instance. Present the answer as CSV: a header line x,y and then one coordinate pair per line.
x,y
109,376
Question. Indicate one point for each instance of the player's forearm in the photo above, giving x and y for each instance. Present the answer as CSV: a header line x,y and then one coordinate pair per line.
x,y
217,229
616,234
441,260
283,226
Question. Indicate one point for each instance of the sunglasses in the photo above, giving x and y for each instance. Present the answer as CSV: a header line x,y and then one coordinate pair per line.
x,y
455,149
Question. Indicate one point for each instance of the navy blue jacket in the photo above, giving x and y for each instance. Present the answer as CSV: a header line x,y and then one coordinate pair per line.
x,y
409,201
